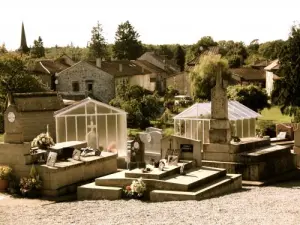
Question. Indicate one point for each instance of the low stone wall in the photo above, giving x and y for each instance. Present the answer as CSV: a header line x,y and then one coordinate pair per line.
x,y
56,180
65,176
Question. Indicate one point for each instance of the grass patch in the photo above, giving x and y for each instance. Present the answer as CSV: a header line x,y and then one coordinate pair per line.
x,y
275,114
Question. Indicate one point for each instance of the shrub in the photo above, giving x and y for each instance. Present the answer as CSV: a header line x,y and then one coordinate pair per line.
x,y
267,127
251,96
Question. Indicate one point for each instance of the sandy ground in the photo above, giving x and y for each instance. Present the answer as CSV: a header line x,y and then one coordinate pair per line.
x,y
278,204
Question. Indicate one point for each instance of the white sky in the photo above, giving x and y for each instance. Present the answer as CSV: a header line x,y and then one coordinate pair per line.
x,y
157,21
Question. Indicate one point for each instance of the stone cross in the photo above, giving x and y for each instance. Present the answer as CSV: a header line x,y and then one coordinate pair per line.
x,y
91,137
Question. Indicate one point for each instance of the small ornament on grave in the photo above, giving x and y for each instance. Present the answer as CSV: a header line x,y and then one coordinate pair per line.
x,y
76,154
172,160
86,151
236,139
182,170
161,165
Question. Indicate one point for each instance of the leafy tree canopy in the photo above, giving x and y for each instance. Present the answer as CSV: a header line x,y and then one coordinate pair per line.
x,y
180,57
127,44
38,50
251,96
196,49
14,77
203,77
97,45
271,49
286,91
139,103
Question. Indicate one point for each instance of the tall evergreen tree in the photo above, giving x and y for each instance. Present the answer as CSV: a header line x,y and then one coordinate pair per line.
x,y
97,46
286,91
180,57
127,45
38,50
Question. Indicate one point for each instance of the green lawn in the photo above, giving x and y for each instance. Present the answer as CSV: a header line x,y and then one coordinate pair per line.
x,y
274,114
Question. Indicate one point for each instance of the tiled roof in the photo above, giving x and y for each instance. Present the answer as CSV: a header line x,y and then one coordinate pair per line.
x,y
50,66
128,68
249,73
274,65
149,66
37,101
214,50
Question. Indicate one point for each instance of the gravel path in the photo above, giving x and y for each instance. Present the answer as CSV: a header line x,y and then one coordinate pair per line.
x,y
278,204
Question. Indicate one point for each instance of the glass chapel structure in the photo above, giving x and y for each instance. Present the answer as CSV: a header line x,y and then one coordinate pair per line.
x,y
74,122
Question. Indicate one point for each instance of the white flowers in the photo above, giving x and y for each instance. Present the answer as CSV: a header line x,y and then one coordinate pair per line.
x,y
42,140
138,187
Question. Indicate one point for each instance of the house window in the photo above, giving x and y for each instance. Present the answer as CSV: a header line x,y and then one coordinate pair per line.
x,y
75,86
89,86
152,80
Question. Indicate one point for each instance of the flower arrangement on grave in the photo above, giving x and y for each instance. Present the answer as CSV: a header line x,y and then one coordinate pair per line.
x,y
31,186
42,141
5,176
5,172
136,189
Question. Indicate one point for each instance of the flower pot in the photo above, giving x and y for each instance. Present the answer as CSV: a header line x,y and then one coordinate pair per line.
x,y
3,185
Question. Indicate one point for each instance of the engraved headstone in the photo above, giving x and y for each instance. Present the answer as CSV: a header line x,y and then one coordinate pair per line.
x,y
76,154
51,159
135,154
152,141
91,136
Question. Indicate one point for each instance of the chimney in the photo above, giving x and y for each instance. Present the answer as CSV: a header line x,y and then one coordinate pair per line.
x,y
98,62
120,67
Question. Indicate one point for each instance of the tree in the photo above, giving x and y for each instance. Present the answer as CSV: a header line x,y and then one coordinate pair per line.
x,y
196,49
271,49
140,104
3,49
203,77
14,77
127,46
97,45
286,91
38,50
248,96
180,57
234,52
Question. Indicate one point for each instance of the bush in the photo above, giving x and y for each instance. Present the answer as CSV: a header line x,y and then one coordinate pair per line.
x,y
267,127
251,96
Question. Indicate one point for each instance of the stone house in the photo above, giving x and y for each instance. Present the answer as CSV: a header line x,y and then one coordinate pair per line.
x,y
181,82
160,62
47,68
248,75
84,79
28,114
270,70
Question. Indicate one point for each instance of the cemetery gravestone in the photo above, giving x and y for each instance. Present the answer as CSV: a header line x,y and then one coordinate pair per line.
x,y
135,154
51,159
152,143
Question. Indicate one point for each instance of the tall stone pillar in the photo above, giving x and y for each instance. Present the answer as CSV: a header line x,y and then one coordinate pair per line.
x,y
219,132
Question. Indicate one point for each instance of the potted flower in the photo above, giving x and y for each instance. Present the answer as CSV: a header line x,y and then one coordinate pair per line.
x,y
5,175
136,189
31,186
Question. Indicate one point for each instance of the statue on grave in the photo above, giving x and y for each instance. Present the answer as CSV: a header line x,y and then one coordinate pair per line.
x,y
91,137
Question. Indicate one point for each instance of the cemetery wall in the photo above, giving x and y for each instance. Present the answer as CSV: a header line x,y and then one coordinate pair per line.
x,y
13,156
34,123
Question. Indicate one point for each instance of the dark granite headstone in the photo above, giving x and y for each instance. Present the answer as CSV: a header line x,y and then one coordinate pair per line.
x,y
135,154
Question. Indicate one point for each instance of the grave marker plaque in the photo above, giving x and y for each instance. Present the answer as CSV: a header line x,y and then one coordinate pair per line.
x,y
51,159
135,154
